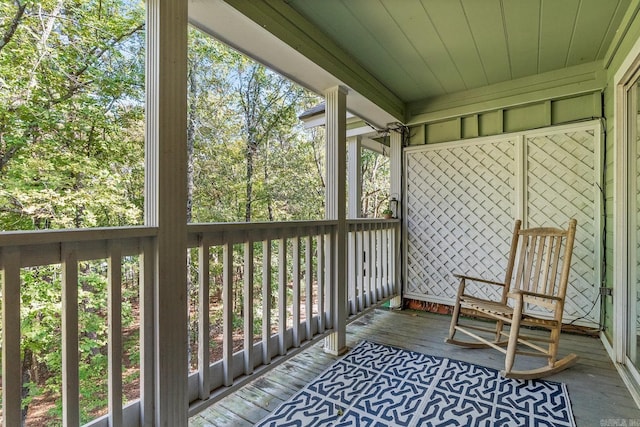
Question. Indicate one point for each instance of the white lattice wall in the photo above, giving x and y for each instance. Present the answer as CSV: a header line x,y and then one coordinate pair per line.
x,y
462,199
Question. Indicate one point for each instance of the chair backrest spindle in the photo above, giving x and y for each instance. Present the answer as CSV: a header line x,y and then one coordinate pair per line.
x,y
536,257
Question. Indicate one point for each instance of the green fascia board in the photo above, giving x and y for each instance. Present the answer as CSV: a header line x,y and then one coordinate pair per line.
x,y
292,28
621,32
570,81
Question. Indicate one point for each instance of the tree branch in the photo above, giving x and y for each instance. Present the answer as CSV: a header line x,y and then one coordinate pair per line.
x,y
15,22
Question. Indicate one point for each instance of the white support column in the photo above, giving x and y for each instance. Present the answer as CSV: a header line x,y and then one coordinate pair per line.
x,y
395,160
336,209
354,174
354,208
166,202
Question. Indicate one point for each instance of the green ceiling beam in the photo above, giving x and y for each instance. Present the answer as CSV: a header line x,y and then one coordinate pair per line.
x,y
284,22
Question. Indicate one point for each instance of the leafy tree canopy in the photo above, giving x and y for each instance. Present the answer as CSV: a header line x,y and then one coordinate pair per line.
x,y
71,91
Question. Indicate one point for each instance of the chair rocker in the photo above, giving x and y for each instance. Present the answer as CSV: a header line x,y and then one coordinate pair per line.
x,y
540,259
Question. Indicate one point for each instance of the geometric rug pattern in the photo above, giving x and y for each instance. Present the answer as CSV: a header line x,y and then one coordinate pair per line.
x,y
379,385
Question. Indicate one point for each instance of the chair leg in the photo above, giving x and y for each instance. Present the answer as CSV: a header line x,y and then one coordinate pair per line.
x,y
553,346
454,321
512,346
456,311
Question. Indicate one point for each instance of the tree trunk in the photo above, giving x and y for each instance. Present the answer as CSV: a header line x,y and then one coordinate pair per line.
x,y
27,364
266,183
251,151
191,137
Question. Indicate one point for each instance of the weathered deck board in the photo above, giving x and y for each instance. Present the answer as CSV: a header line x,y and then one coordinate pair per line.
x,y
597,392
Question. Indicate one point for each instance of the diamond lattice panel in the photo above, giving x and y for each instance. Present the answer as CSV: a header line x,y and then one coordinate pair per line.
x,y
459,216
560,176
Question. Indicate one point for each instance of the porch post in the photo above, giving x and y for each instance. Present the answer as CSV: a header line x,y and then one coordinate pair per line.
x,y
395,166
354,210
336,131
166,205
354,158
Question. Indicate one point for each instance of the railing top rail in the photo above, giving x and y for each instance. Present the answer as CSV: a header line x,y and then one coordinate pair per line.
x,y
45,237
218,227
372,220
255,226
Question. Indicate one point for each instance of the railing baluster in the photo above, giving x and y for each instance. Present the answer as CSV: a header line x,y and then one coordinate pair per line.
x,y
390,261
266,302
321,267
114,303
396,272
351,278
308,285
369,281
282,296
296,290
11,360
330,275
377,292
204,389
248,307
70,380
227,313
147,309
384,242
360,266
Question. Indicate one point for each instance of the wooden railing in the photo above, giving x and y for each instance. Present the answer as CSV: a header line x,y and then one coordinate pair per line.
x,y
299,276
259,292
20,250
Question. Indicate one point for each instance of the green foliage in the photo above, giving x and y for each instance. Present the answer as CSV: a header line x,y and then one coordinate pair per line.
x,y
71,91
252,159
41,331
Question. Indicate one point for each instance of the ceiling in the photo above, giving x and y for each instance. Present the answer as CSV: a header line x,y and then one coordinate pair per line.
x,y
391,53
425,48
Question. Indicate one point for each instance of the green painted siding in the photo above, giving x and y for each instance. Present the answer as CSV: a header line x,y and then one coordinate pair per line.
x,y
527,117
626,43
513,119
490,123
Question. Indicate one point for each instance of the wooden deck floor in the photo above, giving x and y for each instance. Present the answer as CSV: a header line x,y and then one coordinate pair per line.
x,y
597,393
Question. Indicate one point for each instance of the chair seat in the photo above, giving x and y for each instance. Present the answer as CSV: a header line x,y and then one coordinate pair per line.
x,y
496,309
486,306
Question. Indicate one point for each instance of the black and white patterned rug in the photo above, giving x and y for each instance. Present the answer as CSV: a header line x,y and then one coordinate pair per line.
x,y
379,385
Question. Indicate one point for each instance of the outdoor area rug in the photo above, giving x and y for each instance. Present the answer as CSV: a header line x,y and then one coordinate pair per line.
x,y
379,385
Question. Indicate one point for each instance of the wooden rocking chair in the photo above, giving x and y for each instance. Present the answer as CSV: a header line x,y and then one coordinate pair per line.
x,y
536,259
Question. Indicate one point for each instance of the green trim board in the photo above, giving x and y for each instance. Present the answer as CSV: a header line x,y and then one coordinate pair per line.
x,y
616,48
541,114
568,82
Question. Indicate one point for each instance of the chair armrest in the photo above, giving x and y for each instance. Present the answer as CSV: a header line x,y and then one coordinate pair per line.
x,y
476,279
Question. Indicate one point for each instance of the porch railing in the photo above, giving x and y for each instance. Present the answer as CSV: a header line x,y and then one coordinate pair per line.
x,y
66,249
258,291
